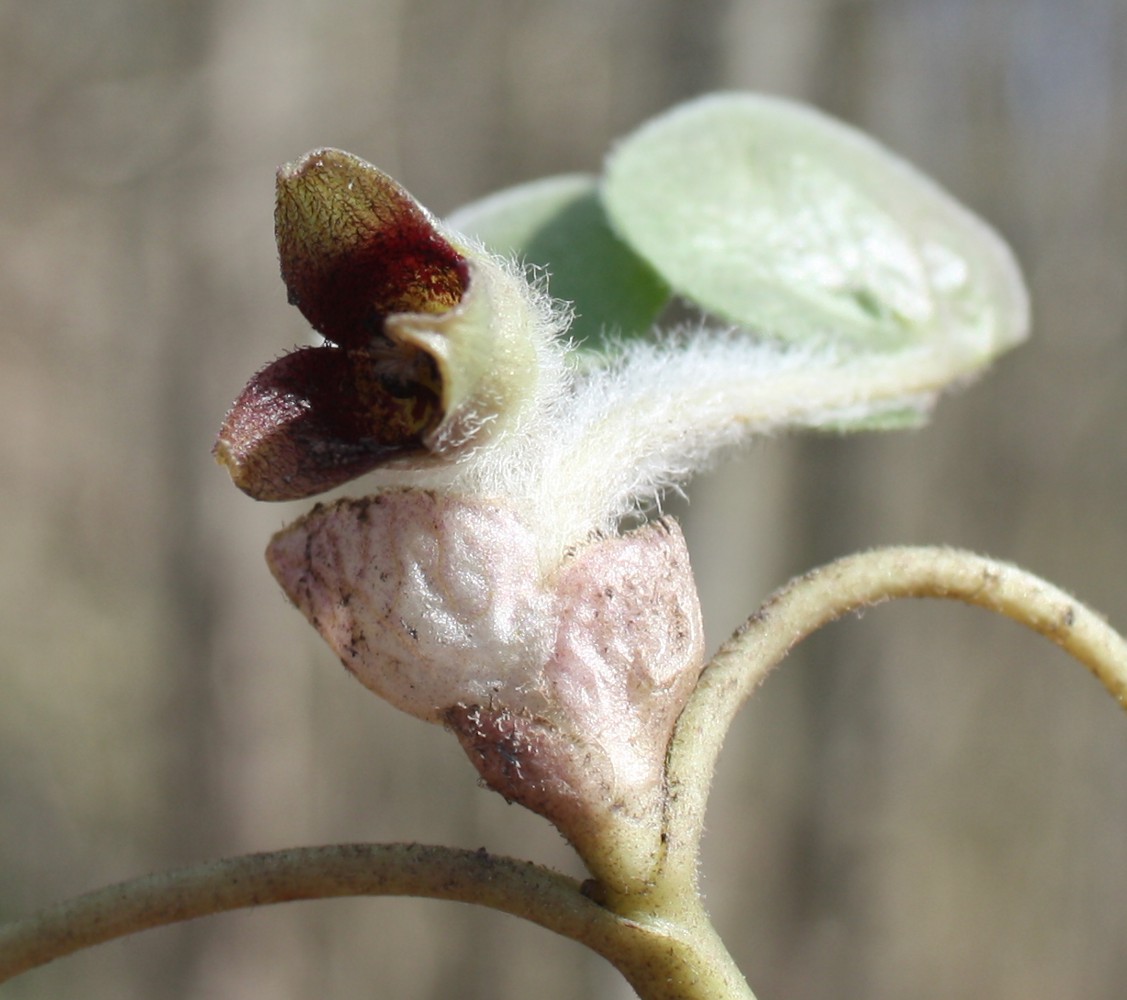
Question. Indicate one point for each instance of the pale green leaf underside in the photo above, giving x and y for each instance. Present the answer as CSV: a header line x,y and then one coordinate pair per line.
x,y
902,418
558,223
780,219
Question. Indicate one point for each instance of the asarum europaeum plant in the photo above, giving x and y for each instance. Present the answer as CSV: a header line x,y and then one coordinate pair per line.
x,y
488,580
484,584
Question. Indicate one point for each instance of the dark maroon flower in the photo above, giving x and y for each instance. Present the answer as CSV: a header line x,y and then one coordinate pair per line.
x,y
356,250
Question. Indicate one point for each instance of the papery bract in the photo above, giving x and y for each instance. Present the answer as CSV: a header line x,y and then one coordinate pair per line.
x,y
562,685
428,600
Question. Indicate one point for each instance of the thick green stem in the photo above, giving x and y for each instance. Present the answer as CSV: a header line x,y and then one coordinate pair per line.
x,y
676,954
822,596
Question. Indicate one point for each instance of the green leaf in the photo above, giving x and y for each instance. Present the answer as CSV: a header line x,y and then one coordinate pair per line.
x,y
901,418
558,223
777,218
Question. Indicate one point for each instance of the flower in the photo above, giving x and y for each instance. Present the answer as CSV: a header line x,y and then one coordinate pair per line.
x,y
413,368
560,658
485,582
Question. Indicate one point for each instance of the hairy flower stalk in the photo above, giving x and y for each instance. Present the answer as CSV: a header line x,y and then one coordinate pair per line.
x,y
660,411
484,584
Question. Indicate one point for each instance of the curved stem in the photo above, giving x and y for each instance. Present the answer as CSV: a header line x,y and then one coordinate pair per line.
x,y
659,961
661,941
824,595
521,888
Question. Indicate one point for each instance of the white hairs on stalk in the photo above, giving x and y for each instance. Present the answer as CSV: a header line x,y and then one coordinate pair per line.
x,y
660,410
600,437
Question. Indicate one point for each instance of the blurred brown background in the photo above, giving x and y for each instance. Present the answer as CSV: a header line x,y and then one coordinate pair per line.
x,y
925,803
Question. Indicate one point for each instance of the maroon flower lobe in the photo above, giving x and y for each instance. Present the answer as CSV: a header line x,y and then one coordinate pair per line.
x,y
355,247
